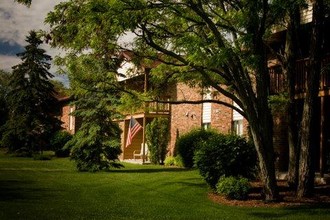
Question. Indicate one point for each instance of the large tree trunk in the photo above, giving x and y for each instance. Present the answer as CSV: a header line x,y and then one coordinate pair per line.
x,y
306,170
289,68
263,141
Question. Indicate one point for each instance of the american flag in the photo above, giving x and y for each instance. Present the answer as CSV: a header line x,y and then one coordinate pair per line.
x,y
133,128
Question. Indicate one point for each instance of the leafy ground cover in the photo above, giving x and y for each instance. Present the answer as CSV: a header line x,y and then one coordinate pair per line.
x,y
53,189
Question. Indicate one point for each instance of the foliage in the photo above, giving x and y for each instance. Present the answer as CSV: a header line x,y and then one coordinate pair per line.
x,y
25,2
227,155
157,134
96,145
41,157
31,100
218,44
233,187
58,141
169,161
279,103
60,88
22,152
173,161
188,143
4,88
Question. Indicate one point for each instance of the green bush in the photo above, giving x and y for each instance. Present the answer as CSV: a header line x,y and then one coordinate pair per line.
x,y
157,134
22,152
227,155
58,141
41,157
173,161
233,187
188,143
169,161
178,161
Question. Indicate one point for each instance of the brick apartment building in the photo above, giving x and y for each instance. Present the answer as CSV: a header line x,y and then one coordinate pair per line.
x,y
69,122
185,117
182,117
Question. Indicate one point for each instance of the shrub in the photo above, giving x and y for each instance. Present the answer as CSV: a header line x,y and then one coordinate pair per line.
x,y
233,187
227,155
178,161
58,141
188,143
23,152
173,161
169,161
41,157
157,133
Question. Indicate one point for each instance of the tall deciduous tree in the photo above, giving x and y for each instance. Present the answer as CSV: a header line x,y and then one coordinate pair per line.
x,y
219,43
31,100
306,169
301,171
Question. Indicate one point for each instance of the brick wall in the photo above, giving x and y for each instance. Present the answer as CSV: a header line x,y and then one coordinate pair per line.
x,y
184,117
69,123
221,117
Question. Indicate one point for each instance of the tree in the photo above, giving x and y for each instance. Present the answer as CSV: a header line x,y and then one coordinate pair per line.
x,y
157,133
306,169
31,100
24,2
60,88
96,145
219,44
301,171
4,88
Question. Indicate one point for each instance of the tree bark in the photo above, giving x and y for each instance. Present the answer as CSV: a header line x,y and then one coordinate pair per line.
x,y
306,170
289,67
263,140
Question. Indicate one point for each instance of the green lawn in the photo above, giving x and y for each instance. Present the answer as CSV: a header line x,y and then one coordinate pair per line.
x,y
55,190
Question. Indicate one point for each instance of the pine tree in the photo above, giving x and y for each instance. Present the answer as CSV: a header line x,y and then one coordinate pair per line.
x,y
31,100
4,87
96,146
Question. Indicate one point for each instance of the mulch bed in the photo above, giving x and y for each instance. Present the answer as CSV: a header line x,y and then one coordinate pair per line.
x,y
287,197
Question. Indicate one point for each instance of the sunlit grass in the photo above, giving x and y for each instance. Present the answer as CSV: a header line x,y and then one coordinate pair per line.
x,y
32,189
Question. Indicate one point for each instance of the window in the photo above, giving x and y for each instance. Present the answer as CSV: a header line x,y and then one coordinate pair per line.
x,y
71,122
237,124
238,127
206,111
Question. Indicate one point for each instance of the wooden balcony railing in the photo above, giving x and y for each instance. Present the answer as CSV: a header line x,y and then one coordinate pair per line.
x,y
158,108
277,80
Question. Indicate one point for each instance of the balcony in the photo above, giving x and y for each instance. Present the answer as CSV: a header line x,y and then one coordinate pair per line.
x,y
158,108
277,79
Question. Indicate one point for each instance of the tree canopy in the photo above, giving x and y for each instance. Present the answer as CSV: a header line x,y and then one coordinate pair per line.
x,y
31,100
219,44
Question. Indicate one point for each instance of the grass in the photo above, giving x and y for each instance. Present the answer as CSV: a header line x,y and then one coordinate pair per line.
x,y
31,189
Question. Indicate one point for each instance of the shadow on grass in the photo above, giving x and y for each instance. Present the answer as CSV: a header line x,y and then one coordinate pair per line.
x,y
150,170
304,210
13,190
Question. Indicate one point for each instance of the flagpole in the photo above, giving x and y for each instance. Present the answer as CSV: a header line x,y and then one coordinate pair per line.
x,y
143,139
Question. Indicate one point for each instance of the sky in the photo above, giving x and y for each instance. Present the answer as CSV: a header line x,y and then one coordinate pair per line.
x,y
16,21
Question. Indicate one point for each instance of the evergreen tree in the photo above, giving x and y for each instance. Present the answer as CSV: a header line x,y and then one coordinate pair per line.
x,y
31,100
4,87
96,146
